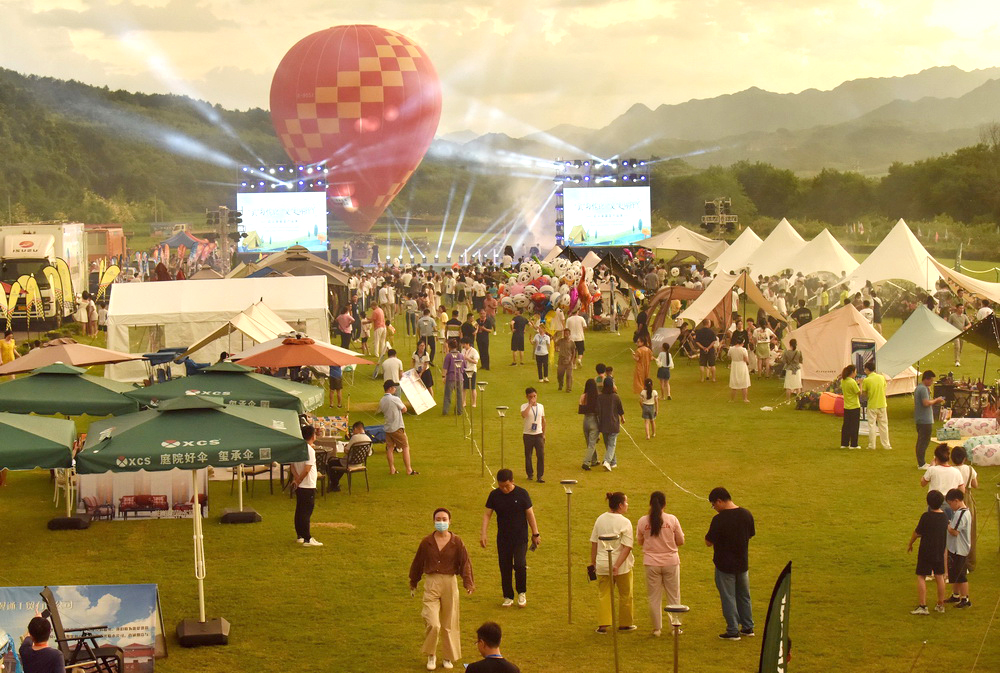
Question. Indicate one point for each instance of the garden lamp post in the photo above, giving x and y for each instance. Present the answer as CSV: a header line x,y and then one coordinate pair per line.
x,y
608,545
501,412
567,485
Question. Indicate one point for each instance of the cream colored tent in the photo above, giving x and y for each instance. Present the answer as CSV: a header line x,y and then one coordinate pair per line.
x,y
735,257
899,256
826,349
685,243
257,324
145,317
719,290
980,289
823,254
777,252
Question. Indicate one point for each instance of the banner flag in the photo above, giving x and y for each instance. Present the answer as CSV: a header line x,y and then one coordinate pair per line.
x,y
776,644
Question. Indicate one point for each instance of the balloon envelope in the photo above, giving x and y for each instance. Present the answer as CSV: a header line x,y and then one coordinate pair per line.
x,y
364,103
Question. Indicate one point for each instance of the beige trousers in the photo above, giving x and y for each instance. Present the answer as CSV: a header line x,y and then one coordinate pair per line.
x,y
878,426
660,579
624,603
440,613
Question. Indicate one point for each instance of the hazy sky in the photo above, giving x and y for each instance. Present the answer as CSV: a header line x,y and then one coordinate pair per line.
x,y
510,66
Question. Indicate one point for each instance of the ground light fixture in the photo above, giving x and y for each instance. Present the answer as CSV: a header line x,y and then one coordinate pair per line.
x,y
567,485
672,610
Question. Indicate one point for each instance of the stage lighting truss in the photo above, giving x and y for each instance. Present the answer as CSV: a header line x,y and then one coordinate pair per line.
x,y
282,178
719,213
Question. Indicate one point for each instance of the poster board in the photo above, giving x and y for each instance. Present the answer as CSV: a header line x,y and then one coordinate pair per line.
x,y
175,484
416,392
130,611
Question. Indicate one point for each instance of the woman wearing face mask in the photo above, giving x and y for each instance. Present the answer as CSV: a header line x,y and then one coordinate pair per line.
x,y
441,558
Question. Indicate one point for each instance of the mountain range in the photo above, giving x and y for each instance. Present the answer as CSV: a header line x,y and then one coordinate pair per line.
x,y
863,125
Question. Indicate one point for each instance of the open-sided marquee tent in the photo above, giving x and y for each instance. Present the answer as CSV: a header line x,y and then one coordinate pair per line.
x,y
720,290
685,243
777,252
921,334
735,257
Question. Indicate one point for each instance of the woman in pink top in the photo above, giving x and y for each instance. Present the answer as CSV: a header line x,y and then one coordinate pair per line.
x,y
659,534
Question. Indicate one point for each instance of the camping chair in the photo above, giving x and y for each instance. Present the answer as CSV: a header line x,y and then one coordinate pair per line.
x,y
82,651
357,461
250,473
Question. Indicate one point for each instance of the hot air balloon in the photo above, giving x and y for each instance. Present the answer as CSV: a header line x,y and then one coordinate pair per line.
x,y
362,104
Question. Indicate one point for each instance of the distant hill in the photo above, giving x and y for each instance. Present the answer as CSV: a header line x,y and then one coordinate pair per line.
x,y
863,124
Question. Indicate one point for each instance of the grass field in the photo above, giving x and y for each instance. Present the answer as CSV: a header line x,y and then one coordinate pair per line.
x,y
842,517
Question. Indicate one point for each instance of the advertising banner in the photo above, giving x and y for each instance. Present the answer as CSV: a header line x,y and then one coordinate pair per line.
x,y
416,392
131,613
143,494
775,646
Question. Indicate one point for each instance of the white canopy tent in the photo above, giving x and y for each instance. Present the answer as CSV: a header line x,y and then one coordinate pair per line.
x,y
736,255
258,324
720,288
824,253
899,256
145,317
777,252
980,289
685,243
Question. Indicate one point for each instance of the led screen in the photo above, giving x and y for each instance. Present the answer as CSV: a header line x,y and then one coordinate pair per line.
x,y
606,215
275,222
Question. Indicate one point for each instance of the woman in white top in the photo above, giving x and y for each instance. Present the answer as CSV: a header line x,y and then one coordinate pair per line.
x,y
762,340
541,343
739,369
422,365
613,523
664,363
649,402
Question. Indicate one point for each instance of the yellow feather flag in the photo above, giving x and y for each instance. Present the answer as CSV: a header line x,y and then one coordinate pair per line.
x,y
108,276
9,302
55,282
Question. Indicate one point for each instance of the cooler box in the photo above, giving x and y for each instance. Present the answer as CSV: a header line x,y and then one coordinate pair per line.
x,y
828,403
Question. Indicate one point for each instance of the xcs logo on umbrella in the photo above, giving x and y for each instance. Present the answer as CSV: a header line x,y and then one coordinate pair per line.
x,y
122,461
170,444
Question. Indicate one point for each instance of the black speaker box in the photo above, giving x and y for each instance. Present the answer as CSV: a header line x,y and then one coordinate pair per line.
x,y
192,633
237,516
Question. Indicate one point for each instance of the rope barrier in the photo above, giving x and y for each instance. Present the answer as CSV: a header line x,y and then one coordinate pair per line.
x,y
475,444
651,462
986,634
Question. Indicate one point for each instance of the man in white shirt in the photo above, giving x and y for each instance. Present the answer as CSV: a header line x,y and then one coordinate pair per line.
x,y
984,310
533,414
392,368
867,312
304,478
577,325
471,356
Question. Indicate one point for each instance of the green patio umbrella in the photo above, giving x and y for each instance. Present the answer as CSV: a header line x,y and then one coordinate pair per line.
x,y
63,389
191,433
27,442
236,385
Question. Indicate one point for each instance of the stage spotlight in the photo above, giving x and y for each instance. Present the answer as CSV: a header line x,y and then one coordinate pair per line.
x,y
261,183
301,182
641,163
301,168
625,178
245,169
309,171
642,178
624,163
586,165
281,169
262,169
586,178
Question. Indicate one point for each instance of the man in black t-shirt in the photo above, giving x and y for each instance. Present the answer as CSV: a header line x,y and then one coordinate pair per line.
x,y
484,328
488,643
802,315
517,326
705,338
36,655
512,505
729,536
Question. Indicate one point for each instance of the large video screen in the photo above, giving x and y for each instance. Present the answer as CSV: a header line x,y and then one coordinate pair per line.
x,y
274,222
606,215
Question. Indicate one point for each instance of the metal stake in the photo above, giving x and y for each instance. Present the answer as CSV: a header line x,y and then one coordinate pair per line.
x,y
482,426
501,411
606,542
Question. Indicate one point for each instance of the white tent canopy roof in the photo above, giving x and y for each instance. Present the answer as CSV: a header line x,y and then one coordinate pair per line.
x,y
258,323
720,287
777,252
736,255
553,253
824,253
682,240
591,260
899,256
980,289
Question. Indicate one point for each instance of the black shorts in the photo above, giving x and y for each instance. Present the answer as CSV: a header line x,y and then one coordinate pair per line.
x,y
662,373
706,358
579,347
470,381
957,567
930,566
335,384
516,343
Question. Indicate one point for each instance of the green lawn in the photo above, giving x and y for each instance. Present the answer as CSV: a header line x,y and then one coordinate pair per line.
x,y
843,519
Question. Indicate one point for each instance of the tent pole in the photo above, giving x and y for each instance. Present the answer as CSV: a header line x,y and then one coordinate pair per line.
x,y
199,548
985,359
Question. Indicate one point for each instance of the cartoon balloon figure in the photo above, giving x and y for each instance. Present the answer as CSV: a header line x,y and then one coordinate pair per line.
x,y
362,104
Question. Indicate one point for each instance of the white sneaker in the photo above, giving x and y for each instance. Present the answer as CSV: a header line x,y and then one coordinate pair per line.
x,y
507,602
300,540
446,663
312,543
924,466
431,662
843,447
522,600
607,466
